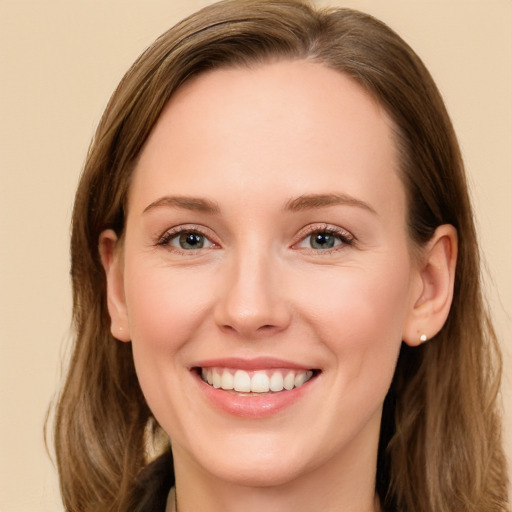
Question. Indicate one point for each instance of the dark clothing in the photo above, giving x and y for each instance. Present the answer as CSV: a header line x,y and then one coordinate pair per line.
x,y
154,484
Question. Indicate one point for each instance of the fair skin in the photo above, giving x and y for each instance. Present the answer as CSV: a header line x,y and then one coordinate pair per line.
x,y
266,233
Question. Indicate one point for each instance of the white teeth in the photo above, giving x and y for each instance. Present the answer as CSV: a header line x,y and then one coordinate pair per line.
x,y
216,379
300,379
276,382
227,380
242,381
289,381
261,381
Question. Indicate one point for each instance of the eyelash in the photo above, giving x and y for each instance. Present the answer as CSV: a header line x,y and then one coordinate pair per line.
x,y
168,236
343,236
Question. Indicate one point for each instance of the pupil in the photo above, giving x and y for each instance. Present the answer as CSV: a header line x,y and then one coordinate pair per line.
x,y
191,241
323,241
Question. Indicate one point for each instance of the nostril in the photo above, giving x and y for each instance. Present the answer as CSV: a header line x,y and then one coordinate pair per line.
x,y
263,329
228,328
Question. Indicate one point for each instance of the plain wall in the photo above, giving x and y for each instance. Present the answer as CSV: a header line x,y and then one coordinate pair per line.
x,y
60,61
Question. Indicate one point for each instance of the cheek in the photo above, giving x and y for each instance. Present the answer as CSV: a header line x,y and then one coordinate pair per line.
x,y
165,311
163,306
361,318
363,331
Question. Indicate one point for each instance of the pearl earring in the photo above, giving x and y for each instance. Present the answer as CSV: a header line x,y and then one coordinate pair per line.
x,y
423,338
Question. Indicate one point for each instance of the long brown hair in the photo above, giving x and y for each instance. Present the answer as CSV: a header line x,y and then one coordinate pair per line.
x,y
440,448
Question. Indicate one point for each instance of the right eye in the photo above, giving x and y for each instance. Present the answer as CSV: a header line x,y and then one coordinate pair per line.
x,y
186,240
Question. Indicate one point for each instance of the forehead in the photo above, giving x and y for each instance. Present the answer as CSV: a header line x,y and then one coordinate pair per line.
x,y
292,124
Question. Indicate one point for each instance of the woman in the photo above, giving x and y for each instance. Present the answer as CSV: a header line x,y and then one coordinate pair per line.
x,y
274,261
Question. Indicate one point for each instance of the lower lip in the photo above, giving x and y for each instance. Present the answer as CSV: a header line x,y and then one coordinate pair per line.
x,y
253,405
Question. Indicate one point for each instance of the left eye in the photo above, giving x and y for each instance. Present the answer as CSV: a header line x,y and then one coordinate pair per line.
x,y
323,240
189,241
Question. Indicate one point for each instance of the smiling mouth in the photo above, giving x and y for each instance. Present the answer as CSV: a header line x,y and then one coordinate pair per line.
x,y
258,381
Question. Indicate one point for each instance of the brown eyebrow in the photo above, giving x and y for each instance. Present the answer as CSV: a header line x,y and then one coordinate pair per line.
x,y
187,203
310,201
304,202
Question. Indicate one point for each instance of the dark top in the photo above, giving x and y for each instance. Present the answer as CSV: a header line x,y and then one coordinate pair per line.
x,y
153,485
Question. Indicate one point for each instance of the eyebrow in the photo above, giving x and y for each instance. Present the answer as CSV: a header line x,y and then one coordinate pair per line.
x,y
303,202
187,203
311,201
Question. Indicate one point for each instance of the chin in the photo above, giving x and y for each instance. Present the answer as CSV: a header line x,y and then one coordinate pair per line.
x,y
257,462
257,473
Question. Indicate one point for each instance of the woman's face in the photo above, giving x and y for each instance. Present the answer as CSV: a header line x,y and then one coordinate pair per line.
x,y
266,248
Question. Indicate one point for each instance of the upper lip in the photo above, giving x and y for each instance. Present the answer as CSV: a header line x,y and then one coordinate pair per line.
x,y
250,364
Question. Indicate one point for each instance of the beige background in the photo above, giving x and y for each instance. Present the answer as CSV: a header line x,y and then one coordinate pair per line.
x,y
59,62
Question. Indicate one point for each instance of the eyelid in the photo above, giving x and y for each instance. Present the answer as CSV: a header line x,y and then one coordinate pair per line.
x,y
164,239
347,238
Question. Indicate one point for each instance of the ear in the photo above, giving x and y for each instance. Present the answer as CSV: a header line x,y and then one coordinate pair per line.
x,y
112,259
432,298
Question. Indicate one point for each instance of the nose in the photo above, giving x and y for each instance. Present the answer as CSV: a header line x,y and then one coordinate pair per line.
x,y
252,301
